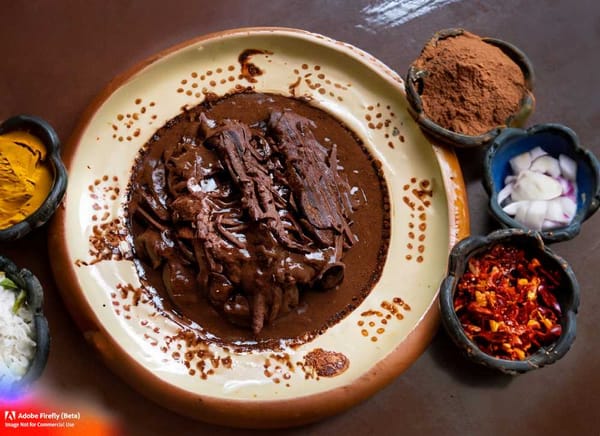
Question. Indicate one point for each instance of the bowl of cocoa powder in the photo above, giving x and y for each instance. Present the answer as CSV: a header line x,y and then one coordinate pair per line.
x,y
464,89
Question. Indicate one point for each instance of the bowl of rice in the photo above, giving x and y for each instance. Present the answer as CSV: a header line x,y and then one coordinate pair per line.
x,y
24,334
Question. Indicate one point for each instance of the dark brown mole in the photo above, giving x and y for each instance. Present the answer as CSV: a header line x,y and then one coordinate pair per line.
x,y
252,110
249,70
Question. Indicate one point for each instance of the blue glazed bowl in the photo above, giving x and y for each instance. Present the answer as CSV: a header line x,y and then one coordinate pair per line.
x,y
415,80
25,280
567,296
44,131
555,139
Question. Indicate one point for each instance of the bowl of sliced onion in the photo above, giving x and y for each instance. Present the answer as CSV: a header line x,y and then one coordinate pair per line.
x,y
542,179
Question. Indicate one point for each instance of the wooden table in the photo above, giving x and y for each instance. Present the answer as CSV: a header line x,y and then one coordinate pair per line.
x,y
57,55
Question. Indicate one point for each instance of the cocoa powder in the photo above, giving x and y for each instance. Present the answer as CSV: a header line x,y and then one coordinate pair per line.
x,y
470,86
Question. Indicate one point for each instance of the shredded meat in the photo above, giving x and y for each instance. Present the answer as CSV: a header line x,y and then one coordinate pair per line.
x,y
248,216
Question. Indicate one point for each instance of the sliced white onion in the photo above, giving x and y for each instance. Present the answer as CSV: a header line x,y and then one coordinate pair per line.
x,y
549,225
565,185
505,193
569,208
514,208
541,214
536,213
521,214
531,185
555,212
561,210
537,152
568,167
520,162
541,193
546,164
568,187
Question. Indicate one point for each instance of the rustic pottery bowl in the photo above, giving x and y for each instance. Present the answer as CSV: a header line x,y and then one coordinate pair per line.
x,y
555,139
414,87
25,280
41,129
567,296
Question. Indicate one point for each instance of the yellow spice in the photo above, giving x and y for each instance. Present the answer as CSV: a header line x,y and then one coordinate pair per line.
x,y
25,177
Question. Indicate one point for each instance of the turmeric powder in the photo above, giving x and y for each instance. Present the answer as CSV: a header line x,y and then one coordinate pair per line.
x,y
25,177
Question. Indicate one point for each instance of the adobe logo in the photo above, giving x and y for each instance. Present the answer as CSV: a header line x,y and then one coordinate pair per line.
x,y
10,415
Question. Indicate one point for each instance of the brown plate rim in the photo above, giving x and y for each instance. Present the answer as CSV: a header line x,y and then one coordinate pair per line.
x,y
242,413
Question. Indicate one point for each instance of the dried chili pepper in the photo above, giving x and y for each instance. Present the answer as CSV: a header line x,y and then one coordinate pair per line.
x,y
506,303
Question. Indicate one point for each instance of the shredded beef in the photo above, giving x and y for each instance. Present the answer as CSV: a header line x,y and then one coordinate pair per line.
x,y
249,216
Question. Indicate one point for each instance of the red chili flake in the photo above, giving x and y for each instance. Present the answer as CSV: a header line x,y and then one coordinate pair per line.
x,y
506,304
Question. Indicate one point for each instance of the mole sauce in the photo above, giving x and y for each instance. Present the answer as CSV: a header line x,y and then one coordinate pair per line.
x,y
247,235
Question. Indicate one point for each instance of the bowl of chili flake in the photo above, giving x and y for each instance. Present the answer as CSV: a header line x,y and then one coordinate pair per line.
x,y
509,302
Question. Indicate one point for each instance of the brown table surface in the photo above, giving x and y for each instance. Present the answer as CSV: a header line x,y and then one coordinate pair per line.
x,y
56,56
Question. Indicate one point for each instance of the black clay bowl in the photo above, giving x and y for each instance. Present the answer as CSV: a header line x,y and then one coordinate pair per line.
x,y
25,280
567,295
555,139
42,130
415,80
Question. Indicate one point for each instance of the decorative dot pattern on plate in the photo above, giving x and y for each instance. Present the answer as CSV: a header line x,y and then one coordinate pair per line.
x,y
199,84
279,368
375,118
125,297
125,126
417,196
108,234
374,322
385,119
313,79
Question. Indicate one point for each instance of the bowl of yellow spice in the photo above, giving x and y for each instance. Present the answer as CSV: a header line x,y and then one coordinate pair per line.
x,y
33,178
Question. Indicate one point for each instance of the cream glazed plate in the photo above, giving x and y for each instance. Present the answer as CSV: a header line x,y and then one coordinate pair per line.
x,y
289,385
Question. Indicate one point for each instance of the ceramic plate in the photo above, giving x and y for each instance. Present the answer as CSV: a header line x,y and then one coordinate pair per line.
x,y
261,388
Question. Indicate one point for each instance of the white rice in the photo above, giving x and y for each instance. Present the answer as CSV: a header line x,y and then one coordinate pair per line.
x,y
17,346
